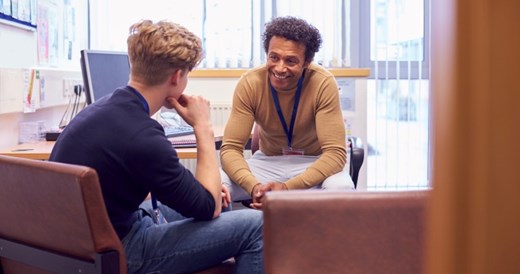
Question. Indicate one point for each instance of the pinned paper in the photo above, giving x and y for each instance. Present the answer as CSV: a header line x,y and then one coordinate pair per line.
x,y
31,83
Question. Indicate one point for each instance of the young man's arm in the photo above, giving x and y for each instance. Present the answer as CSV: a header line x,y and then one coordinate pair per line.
x,y
195,111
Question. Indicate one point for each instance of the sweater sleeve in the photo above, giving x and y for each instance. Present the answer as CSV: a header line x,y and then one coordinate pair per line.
x,y
156,166
236,134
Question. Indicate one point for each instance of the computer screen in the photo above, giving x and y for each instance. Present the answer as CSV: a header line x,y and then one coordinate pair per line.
x,y
103,72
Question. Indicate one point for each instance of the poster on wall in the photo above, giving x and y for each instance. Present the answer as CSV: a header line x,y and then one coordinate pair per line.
x,y
43,35
69,26
47,33
347,94
18,13
5,7
61,33
31,92
24,10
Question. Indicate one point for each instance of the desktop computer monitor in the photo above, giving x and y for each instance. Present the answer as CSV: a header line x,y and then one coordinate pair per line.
x,y
103,72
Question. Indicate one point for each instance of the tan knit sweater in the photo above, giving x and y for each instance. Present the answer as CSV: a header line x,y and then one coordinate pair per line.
x,y
318,129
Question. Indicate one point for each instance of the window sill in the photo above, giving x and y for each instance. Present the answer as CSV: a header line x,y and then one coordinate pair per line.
x,y
236,73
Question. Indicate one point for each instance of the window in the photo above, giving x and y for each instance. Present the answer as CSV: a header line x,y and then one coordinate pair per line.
x,y
397,38
395,46
232,39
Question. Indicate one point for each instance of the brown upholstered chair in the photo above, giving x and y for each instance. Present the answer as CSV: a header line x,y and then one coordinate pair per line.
x,y
53,220
344,232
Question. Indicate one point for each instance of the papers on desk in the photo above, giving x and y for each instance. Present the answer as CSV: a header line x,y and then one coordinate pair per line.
x,y
184,141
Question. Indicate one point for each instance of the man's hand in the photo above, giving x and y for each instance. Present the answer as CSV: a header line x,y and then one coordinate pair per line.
x,y
259,191
226,197
257,196
193,109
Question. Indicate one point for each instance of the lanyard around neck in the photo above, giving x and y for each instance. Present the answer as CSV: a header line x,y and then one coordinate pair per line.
x,y
288,131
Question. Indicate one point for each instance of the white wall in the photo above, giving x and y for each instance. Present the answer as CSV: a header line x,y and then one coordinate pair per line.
x,y
17,50
217,90
9,123
17,47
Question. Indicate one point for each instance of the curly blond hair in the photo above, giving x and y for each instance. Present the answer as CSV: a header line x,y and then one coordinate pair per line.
x,y
157,49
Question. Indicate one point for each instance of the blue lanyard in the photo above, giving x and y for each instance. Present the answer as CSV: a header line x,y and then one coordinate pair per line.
x,y
154,201
141,98
288,131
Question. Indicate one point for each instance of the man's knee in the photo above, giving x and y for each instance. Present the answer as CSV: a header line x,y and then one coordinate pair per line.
x,y
338,181
224,178
237,192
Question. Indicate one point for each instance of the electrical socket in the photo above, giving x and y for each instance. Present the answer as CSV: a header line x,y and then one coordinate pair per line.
x,y
68,86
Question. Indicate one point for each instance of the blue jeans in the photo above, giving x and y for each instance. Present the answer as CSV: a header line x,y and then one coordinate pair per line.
x,y
184,245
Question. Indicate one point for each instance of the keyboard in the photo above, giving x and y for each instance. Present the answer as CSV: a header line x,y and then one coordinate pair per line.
x,y
178,131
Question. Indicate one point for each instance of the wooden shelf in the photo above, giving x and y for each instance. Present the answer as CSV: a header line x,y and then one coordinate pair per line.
x,y
236,73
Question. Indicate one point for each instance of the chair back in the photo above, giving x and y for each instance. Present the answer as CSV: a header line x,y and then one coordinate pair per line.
x,y
317,231
54,220
255,139
357,157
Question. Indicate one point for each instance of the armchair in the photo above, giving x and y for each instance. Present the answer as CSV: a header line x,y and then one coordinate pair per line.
x,y
54,220
344,232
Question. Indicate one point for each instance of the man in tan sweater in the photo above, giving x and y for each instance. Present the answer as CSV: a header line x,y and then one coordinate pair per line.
x,y
296,104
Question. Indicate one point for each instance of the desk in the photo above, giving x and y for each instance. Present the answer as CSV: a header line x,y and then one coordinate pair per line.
x,y
42,150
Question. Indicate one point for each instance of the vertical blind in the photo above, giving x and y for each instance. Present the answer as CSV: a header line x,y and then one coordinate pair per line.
x,y
398,95
231,39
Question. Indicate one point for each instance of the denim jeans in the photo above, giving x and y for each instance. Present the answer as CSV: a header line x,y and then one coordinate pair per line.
x,y
184,245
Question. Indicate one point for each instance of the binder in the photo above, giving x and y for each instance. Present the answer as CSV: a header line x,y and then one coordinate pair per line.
x,y
184,141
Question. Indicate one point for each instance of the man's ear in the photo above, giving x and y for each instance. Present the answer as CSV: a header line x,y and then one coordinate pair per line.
x,y
175,76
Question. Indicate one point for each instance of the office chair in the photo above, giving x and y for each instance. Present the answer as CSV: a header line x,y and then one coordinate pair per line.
x,y
357,156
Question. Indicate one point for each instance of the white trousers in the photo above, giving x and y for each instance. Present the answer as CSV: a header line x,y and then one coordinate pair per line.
x,y
282,168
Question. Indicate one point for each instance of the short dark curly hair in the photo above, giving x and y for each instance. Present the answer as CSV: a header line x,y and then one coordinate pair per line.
x,y
294,29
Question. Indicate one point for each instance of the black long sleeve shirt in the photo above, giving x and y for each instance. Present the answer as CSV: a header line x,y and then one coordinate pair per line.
x,y
129,151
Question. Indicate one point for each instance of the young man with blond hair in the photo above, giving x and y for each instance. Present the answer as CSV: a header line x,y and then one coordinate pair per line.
x,y
118,138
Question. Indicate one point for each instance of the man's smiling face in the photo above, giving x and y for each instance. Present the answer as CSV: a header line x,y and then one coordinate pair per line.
x,y
285,63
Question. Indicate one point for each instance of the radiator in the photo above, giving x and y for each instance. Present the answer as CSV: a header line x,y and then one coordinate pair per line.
x,y
219,116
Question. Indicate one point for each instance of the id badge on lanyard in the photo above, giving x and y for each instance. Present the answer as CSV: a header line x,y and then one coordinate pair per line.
x,y
289,150
292,151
